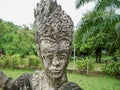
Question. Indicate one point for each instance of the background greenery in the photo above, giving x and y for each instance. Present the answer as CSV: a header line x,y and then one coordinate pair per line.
x,y
99,30
16,40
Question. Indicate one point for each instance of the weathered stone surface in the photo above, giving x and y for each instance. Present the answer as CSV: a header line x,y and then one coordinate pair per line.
x,y
51,21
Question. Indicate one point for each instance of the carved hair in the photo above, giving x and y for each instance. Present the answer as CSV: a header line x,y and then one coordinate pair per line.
x,y
52,22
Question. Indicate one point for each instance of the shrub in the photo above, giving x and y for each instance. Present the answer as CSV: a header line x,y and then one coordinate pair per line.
x,y
16,60
8,61
82,64
1,62
24,62
34,61
111,68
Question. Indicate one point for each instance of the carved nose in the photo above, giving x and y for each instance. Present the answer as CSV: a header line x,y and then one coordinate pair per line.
x,y
55,61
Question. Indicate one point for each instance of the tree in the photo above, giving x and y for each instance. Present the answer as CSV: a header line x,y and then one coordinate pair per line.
x,y
16,40
100,20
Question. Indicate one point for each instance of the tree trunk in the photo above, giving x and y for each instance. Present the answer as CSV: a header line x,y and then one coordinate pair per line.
x,y
98,54
2,52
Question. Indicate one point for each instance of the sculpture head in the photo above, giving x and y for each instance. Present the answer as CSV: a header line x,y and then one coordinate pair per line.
x,y
55,56
54,38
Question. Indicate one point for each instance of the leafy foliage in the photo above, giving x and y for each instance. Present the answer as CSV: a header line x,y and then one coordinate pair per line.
x,y
82,2
34,61
112,68
96,21
97,28
83,63
15,61
118,29
16,40
100,4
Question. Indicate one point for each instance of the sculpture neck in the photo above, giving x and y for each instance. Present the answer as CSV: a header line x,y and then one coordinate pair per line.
x,y
57,81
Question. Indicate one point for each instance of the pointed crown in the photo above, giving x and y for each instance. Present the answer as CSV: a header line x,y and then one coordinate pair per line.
x,y
52,22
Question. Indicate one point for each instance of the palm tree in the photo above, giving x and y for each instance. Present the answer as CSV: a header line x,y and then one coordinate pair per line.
x,y
102,18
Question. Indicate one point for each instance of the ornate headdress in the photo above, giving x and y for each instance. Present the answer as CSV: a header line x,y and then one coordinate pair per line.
x,y
52,22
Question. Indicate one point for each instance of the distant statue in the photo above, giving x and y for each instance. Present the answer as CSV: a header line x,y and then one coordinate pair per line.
x,y
54,30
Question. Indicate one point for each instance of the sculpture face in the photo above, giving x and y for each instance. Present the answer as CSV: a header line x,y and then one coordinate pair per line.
x,y
55,57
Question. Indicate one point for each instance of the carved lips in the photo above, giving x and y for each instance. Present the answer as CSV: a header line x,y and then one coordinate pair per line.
x,y
55,71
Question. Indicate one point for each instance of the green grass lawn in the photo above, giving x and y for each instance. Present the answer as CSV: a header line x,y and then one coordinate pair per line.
x,y
15,73
86,82
96,82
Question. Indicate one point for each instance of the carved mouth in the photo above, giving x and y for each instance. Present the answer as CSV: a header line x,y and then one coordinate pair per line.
x,y
56,71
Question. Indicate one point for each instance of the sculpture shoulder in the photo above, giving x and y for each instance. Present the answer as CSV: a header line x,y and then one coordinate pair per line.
x,y
37,75
71,86
38,80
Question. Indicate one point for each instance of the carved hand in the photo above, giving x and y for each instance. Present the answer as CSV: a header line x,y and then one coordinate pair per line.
x,y
22,83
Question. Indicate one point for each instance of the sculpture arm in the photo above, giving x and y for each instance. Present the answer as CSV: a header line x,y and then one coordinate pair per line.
x,y
71,86
5,82
21,83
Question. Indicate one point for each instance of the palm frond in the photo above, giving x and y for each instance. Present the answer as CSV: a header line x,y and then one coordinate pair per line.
x,y
96,21
100,4
82,2
118,30
103,4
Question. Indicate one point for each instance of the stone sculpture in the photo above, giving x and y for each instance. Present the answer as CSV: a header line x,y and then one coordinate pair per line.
x,y
54,40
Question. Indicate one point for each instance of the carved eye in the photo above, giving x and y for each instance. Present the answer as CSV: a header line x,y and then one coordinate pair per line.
x,y
49,57
62,56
